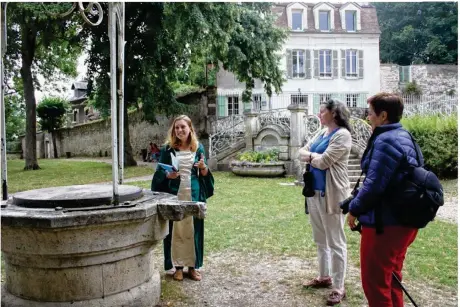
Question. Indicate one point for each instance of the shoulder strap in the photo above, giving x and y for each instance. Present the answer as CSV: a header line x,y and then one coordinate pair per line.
x,y
416,149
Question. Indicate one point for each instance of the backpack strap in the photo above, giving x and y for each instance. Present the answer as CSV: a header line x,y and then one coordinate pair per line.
x,y
416,148
378,208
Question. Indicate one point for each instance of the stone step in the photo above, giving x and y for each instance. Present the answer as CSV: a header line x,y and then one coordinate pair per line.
x,y
354,178
356,172
354,161
352,167
353,156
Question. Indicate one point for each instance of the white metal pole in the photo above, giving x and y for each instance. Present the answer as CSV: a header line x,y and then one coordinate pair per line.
x,y
121,78
113,98
2,103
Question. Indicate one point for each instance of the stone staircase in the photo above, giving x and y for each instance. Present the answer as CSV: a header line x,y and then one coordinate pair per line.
x,y
354,169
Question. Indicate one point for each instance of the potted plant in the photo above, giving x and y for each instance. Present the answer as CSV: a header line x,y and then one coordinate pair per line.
x,y
258,163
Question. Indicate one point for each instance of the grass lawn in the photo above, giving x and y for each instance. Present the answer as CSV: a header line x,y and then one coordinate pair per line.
x,y
255,214
64,172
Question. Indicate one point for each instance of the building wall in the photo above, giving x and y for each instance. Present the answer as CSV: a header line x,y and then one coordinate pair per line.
x,y
431,79
227,83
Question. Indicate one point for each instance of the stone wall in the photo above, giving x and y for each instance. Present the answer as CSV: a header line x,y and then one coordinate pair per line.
x,y
94,139
389,77
431,79
435,79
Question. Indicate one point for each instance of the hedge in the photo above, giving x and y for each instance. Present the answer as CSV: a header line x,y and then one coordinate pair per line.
x,y
437,136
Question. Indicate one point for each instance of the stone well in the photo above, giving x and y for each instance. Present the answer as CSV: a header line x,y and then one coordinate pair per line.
x,y
68,246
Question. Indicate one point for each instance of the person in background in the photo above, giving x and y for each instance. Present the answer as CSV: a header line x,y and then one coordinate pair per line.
x,y
154,152
183,247
390,151
328,154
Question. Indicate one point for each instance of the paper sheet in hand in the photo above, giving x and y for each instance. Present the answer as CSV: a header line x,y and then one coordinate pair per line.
x,y
175,162
167,167
174,167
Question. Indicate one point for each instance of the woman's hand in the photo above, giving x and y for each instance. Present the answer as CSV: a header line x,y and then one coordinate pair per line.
x,y
200,164
351,220
305,156
172,175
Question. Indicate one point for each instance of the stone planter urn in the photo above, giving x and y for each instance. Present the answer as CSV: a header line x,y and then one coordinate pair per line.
x,y
69,246
271,169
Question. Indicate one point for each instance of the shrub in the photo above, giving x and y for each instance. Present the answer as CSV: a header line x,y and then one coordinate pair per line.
x,y
412,88
437,136
259,156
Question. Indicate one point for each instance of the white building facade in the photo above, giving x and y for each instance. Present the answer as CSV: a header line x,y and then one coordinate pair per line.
x,y
332,51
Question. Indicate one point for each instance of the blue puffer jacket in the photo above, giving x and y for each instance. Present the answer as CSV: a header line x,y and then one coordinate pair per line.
x,y
392,153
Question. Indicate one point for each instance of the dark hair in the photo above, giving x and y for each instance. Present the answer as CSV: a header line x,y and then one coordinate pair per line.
x,y
342,114
390,103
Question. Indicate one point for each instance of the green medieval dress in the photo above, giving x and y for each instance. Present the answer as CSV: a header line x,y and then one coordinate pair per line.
x,y
183,246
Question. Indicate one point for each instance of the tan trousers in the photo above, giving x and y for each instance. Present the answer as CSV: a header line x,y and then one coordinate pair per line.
x,y
329,236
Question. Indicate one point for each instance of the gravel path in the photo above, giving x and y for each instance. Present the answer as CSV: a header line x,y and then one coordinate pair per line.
x,y
449,212
232,279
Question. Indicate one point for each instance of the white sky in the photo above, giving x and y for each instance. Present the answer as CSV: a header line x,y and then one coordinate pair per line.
x,y
64,84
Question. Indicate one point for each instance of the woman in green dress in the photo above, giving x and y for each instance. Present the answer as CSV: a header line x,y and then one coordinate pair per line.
x,y
183,247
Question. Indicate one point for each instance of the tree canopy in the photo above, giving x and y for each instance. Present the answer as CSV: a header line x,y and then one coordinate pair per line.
x,y
164,38
418,32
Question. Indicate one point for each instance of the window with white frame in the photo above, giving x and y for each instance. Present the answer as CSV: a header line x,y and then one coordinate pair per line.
x,y
299,99
298,64
351,63
297,20
324,97
352,100
324,20
325,63
350,21
75,115
257,100
233,105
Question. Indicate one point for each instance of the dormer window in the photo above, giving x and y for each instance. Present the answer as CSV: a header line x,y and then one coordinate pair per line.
x,y
350,20
297,16
323,14
350,15
297,20
324,21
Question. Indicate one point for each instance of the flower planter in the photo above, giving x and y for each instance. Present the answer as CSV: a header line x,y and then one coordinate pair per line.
x,y
272,169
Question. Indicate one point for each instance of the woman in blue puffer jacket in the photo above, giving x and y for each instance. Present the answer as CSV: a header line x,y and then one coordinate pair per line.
x,y
384,241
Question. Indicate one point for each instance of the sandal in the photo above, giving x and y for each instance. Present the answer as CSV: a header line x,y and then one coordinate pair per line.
x,y
335,298
179,276
194,274
318,283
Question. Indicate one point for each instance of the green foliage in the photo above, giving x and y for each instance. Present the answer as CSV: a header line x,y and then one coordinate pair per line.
x,y
169,43
52,44
418,32
438,140
259,156
15,116
51,111
412,88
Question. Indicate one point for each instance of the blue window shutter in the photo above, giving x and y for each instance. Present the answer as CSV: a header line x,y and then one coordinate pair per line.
x,y
221,105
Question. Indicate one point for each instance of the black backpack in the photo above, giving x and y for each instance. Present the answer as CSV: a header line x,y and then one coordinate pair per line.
x,y
415,201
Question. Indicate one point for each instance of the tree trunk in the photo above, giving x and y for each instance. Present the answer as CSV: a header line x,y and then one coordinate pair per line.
x,y
27,52
53,135
129,159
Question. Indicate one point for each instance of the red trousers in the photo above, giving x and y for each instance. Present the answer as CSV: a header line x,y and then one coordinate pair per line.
x,y
382,254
